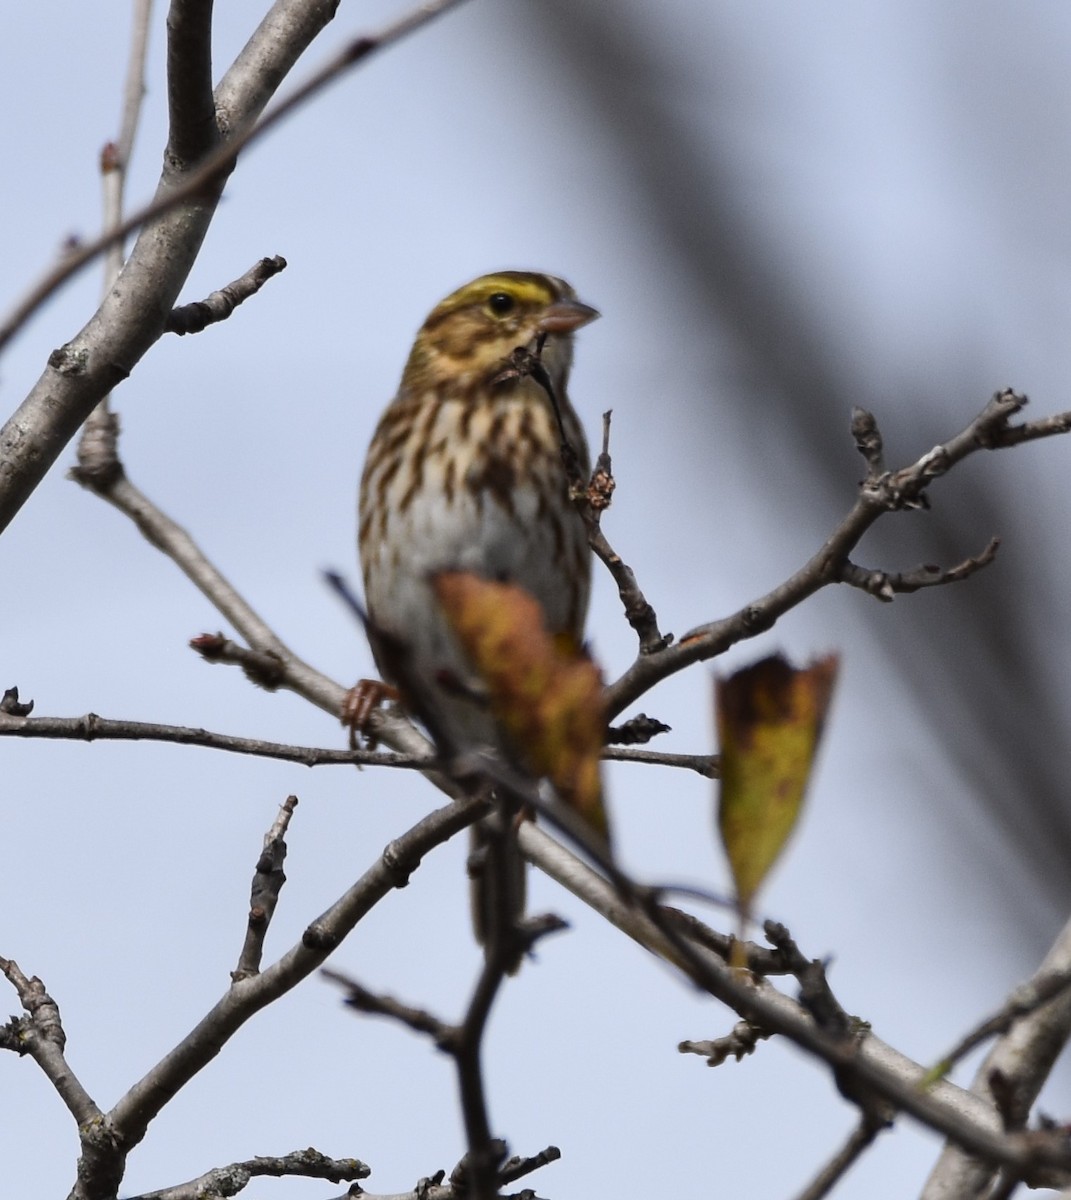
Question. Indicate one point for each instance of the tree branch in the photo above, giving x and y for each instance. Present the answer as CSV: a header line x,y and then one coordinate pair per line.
x,y
229,1181
481,1171
268,880
838,1166
192,128
115,158
107,1141
40,1035
866,1062
132,317
880,493
91,728
885,585
170,538
1014,1070
704,764
199,314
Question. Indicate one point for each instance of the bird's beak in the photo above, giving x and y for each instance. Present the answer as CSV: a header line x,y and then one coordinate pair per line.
x,y
564,316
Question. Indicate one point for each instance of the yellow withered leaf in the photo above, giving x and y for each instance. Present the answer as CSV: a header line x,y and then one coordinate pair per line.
x,y
770,718
545,692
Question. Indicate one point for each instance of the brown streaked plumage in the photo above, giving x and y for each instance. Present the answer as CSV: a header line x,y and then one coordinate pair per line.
x,y
465,472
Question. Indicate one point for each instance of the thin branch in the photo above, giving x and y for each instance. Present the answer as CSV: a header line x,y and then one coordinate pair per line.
x,y
517,1167
1029,431
115,158
107,1140
481,1171
594,500
268,880
230,1180
114,164
860,1139
879,494
169,537
134,84
760,960
91,728
885,585
192,127
485,1153
419,1020
964,1117
199,314
737,1044
267,660
591,497
1027,998
1012,1074
40,1035
432,1187
816,996
705,764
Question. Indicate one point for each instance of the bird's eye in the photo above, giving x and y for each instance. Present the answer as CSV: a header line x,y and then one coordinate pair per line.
x,y
500,303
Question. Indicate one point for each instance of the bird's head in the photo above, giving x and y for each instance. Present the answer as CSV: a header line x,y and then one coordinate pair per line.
x,y
470,336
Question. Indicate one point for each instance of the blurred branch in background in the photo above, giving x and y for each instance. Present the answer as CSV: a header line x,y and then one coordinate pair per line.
x,y
975,660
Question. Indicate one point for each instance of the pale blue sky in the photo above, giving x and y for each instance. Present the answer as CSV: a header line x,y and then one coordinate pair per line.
x,y
902,166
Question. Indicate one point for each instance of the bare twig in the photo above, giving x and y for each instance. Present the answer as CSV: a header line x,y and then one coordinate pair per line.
x,y
115,159
760,960
485,1153
193,131
1012,1074
232,1179
169,537
40,1035
592,498
107,1140
838,1166
880,493
264,668
737,1044
114,163
965,1118
199,314
266,660
90,728
517,1167
481,1171
1027,998
419,1020
886,585
705,764
268,880
816,995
